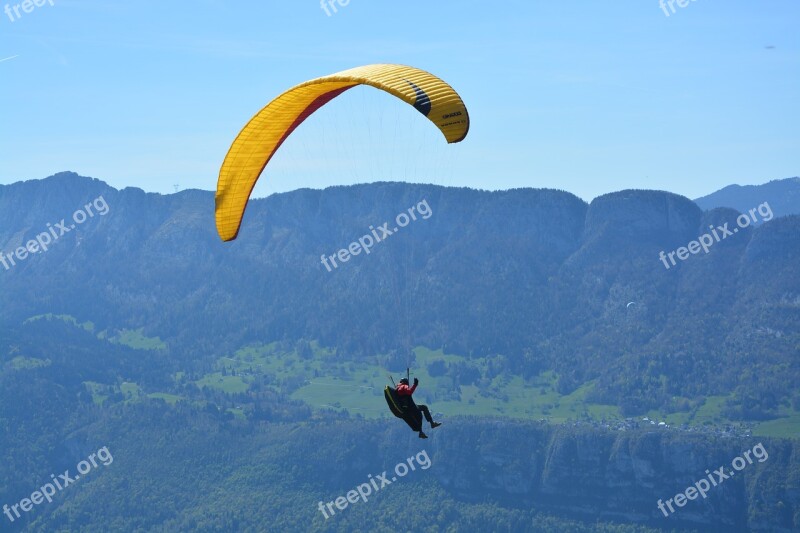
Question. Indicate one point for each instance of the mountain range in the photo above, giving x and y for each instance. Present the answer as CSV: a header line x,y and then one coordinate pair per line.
x,y
137,322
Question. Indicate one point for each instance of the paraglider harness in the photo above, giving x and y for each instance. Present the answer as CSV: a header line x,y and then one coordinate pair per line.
x,y
403,408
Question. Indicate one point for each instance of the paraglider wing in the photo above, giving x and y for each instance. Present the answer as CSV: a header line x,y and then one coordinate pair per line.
x,y
269,128
404,410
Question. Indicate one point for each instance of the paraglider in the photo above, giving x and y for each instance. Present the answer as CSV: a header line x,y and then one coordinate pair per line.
x,y
402,406
256,144
258,141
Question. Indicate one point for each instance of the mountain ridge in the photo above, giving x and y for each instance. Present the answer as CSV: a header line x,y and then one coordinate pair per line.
x,y
539,276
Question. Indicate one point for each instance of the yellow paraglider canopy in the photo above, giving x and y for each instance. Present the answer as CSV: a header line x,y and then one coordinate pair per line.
x,y
263,135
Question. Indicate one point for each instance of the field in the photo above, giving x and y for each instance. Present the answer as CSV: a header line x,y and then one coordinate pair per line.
x,y
326,380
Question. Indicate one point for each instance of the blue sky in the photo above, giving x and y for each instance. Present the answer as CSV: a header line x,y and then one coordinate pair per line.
x,y
585,96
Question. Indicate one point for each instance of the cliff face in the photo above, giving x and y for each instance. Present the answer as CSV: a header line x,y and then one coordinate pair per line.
x,y
651,215
620,476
